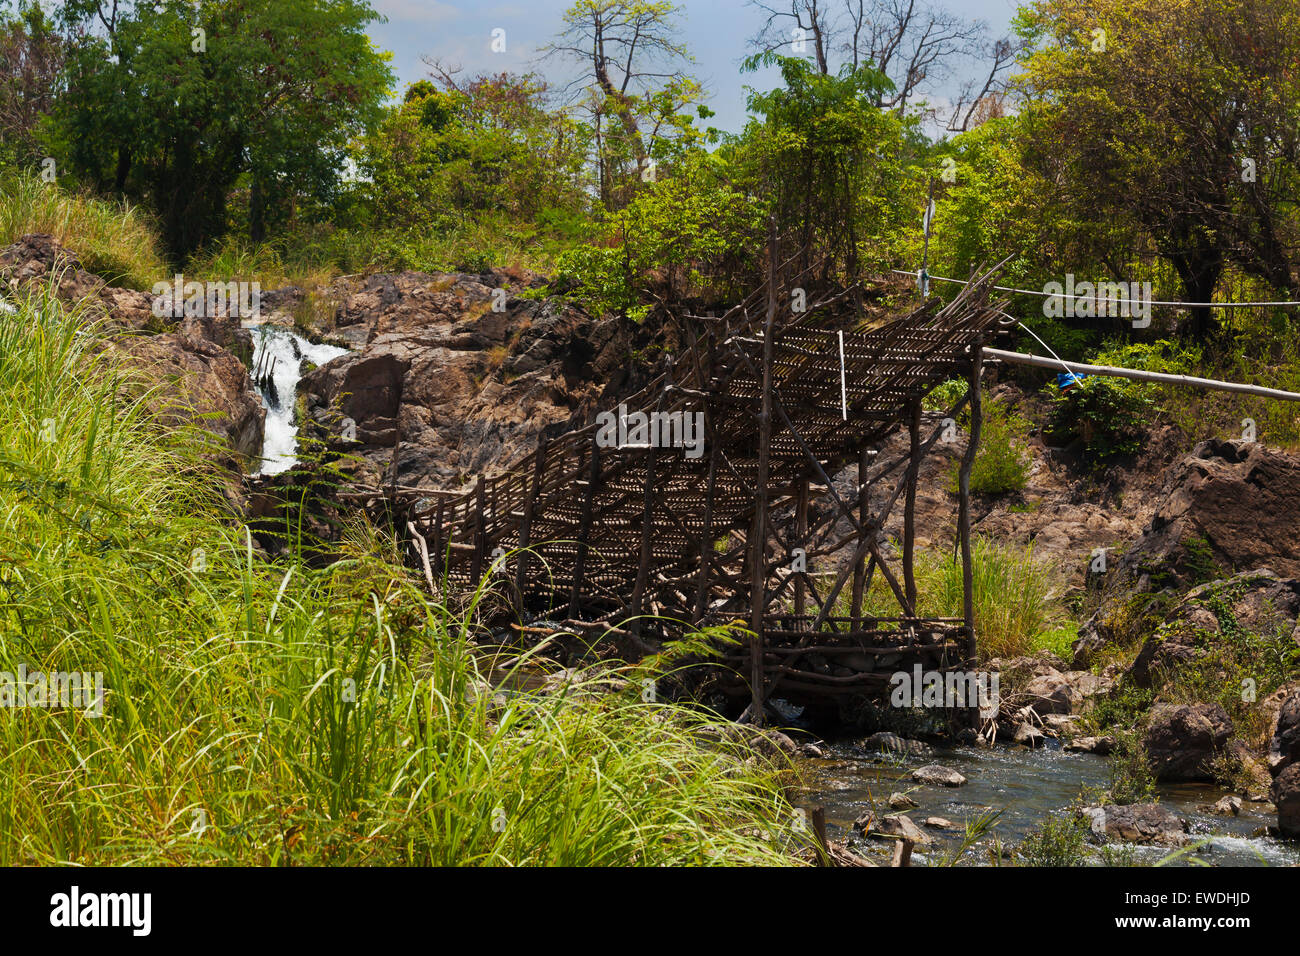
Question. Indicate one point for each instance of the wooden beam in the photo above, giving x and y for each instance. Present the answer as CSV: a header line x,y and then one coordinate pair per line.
x,y
1042,361
909,502
963,490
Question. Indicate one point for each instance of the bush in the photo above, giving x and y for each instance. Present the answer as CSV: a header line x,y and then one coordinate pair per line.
x,y
1060,841
1110,415
599,277
1000,465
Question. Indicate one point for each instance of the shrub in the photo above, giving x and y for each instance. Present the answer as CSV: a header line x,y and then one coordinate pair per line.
x,y
1060,841
1000,466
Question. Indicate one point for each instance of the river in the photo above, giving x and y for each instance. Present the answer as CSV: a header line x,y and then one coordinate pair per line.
x,y
1027,786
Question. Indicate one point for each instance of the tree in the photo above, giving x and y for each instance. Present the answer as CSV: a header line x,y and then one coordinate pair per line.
x,y
31,56
629,53
912,43
828,161
1184,116
174,103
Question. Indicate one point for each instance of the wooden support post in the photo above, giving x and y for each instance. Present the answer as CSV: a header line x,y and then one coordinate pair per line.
x,y
864,517
646,550
801,541
758,537
584,528
480,534
526,524
706,533
963,513
439,541
909,503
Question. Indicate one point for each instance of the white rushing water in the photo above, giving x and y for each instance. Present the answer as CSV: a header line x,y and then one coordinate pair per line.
x,y
279,349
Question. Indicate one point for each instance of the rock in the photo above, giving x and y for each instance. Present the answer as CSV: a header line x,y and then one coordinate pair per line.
x,y
901,801
1182,739
195,381
893,825
937,776
1286,795
1228,806
814,751
1284,745
939,823
1101,746
1051,693
1027,735
1147,823
893,744
1060,723
37,258
466,390
1230,503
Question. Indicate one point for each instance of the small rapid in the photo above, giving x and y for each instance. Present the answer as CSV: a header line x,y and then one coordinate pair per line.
x,y
278,363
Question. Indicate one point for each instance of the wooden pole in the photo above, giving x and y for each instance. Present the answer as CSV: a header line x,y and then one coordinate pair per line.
x,y
909,503
758,538
706,533
584,527
801,541
480,533
963,513
864,517
526,523
647,528
1042,361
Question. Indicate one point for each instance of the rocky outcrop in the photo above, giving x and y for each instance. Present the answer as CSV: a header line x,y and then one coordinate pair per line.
x,y
1228,505
38,259
456,375
1147,823
194,381
1183,739
1284,763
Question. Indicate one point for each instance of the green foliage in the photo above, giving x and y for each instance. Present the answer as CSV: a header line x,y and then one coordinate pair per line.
x,y
1110,415
113,240
267,96
1131,778
598,276
1001,464
1016,602
489,147
286,714
1061,840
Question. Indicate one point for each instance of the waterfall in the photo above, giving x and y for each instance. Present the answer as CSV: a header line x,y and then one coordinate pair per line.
x,y
277,361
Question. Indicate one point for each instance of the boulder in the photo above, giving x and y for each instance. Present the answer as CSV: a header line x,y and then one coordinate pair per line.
x,y
901,801
193,381
1286,796
1101,746
38,258
892,743
453,379
1182,739
937,776
893,825
1147,823
1229,504
1027,735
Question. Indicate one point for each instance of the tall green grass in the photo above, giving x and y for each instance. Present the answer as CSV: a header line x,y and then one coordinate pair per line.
x,y
1017,605
280,714
114,240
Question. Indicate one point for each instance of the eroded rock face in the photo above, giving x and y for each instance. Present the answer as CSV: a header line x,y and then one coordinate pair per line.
x,y
1182,739
1229,503
38,258
448,386
198,383
1284,762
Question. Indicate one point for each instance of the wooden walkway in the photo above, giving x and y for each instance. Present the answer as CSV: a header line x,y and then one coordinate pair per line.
x,y
586,532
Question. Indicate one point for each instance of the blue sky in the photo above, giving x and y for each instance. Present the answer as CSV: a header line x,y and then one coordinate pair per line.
x,y
717,33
